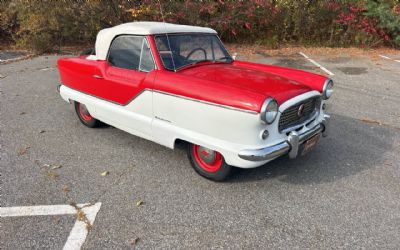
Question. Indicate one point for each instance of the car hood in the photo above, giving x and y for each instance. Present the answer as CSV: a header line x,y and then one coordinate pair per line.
x,y
273,85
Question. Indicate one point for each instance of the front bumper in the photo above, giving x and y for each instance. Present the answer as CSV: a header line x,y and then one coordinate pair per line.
x,y
291,145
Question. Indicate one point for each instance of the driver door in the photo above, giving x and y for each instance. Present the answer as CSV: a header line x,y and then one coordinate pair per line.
x,y
124,80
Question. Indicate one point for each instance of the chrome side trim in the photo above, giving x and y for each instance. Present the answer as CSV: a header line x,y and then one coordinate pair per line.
x,y
165,93
103,99
206,102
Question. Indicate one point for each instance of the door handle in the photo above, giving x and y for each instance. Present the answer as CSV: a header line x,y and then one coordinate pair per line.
x,y
97,77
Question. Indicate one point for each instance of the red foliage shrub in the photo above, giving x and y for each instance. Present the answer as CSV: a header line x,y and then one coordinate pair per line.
x,y
271,22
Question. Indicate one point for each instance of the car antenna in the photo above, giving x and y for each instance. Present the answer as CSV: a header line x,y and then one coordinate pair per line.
x,y
166,34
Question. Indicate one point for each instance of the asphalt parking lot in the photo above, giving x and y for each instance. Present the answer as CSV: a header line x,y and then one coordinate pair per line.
x,y
344,194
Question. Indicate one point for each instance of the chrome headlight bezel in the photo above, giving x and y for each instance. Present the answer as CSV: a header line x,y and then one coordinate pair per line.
x,y
327,90
269,110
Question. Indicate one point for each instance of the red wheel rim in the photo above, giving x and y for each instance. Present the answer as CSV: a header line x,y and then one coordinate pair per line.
x,y
84,112
209,160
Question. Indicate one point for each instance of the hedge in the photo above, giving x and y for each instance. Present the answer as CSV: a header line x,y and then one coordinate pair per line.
x,y
46,25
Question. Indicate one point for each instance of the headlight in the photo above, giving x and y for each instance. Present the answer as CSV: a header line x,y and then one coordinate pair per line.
x,y
328,89
269,110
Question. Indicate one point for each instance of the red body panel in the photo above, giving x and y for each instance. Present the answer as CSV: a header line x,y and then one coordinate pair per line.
x,y
98,78
245,78
314,81
240,84
208,90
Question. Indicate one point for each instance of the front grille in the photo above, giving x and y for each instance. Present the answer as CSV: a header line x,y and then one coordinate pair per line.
x,y
290,117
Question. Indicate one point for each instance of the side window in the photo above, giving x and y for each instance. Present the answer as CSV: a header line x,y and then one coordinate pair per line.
x,y
146,60
125,52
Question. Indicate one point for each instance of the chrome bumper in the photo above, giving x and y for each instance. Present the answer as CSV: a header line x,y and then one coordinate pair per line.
x,y
291,145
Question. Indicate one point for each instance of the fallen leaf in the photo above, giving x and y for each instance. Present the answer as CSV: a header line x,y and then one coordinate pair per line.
x,y
23,151
42,131
139,203
2,76
22,113
388,163
56,167
66,189
133,241
105,173
370,121
46,165
52,175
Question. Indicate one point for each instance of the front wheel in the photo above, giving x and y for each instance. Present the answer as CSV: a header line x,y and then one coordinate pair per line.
x,y
208,163
85,117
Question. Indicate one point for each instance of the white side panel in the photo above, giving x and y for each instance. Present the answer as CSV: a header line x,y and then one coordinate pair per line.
x,y
134,118
225,130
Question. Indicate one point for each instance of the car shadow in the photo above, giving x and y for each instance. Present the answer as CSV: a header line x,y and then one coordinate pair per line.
x,y
352,147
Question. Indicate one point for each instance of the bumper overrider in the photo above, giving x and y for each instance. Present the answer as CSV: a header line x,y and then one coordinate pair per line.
x,y
290,146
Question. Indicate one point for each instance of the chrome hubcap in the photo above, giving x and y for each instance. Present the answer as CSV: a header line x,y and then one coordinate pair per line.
x,y
207,155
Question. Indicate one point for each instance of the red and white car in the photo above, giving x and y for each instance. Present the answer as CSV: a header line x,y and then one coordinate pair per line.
x,y
175,83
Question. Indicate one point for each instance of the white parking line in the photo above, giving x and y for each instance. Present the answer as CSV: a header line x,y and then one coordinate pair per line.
x,y
388,58
317,64
79,231
385,57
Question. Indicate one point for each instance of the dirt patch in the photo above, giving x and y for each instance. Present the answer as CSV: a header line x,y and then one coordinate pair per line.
x,y
9,55
293,63
353,70
338,60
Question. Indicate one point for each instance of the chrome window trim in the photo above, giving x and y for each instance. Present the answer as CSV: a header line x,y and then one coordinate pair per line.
x,y
189,33
151,53
130,35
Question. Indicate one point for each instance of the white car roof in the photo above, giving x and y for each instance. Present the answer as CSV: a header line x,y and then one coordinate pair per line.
x,y
105,36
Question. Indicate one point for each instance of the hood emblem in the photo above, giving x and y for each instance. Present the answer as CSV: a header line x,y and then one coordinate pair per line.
x,y
300,111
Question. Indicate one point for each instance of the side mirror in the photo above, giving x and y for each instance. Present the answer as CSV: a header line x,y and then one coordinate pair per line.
x,y
234,56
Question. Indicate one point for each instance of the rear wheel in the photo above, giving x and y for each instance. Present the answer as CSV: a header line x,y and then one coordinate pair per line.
x,y
208,163
85,117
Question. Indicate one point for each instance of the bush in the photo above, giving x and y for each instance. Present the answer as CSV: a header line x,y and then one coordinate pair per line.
x,y
387,19
45,25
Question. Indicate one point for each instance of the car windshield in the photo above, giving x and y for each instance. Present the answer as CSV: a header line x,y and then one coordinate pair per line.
x,y
180,50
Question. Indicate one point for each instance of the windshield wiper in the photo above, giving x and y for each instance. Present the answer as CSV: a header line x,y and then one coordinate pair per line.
x,y
227,58
194,63
207,60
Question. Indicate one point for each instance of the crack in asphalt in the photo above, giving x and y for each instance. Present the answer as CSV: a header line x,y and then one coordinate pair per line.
x,y
81,216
